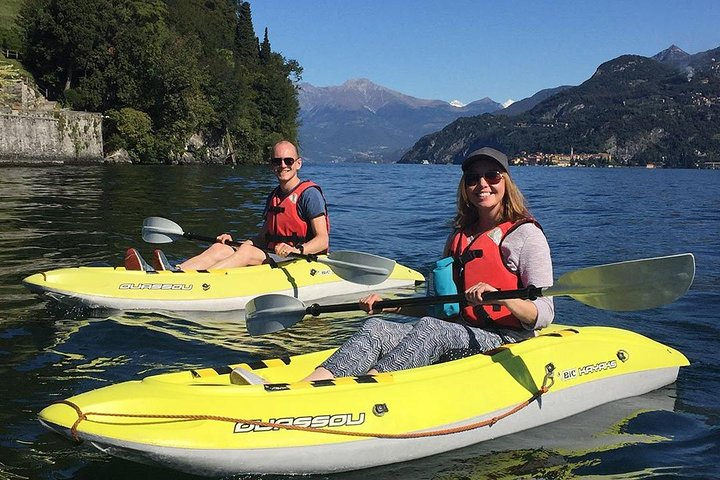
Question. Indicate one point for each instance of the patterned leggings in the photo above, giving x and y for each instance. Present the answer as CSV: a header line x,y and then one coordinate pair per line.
x,y
389,346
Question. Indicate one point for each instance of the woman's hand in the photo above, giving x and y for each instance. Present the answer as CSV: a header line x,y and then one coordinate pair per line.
x,y
474,294
283,249
367,303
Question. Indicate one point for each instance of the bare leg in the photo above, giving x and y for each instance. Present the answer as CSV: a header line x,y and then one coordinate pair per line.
x,y
246,254
213,254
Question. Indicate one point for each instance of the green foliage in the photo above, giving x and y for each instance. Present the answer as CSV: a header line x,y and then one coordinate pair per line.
x,y
132,130
190,66
9,33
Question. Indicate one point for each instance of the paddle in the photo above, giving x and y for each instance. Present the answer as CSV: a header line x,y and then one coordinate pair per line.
x,y
356,267
624,286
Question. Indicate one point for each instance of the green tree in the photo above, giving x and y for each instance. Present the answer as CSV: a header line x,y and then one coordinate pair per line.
x,y
277,93
132,130
190,66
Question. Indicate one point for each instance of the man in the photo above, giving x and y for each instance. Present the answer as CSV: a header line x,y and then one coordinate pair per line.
x,y
296,221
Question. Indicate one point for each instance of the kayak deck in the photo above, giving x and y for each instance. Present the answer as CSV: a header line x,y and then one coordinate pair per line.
x,y
198,421
203,290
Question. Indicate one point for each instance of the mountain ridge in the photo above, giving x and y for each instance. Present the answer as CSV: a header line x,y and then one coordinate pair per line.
x,y
362,121
663,110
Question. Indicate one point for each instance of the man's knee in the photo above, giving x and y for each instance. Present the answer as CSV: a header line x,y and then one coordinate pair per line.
x,y
220,250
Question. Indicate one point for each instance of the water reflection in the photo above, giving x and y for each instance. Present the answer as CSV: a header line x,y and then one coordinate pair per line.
x,y
557,450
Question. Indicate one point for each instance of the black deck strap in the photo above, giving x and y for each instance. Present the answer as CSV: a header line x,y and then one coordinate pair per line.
x,y
366,379
323,383
474,348
276,387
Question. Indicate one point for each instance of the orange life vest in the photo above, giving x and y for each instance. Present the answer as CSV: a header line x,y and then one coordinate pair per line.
x,y
283,221
481,260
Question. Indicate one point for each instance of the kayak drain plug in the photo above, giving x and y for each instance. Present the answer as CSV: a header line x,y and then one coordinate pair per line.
x,y
380,409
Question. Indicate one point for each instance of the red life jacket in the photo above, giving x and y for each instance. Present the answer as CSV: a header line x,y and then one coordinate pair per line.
x,y
283,221
481,261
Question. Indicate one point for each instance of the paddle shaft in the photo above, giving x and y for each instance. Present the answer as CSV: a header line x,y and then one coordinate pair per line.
x,y
355,267
205,238
530,293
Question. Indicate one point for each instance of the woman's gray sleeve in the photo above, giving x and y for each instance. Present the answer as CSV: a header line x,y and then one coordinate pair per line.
x,y
527,252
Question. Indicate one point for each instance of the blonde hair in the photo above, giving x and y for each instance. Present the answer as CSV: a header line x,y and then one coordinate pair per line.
x,y
513,205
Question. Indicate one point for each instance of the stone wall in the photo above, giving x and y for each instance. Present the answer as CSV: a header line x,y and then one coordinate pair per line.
x,y
62,136
33,130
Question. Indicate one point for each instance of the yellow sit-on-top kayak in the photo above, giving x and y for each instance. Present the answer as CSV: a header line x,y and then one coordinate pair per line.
x,y
200,422
207,290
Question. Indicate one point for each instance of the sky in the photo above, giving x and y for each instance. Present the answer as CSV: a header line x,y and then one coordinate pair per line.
x,y
467,50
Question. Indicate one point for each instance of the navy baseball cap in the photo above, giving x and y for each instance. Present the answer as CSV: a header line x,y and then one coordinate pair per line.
x,y
485,152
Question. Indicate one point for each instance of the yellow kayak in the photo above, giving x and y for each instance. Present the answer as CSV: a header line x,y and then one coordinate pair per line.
x,y
199,422
208,290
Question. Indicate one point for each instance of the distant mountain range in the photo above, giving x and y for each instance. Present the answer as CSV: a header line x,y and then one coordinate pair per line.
x,y
663,110
362,121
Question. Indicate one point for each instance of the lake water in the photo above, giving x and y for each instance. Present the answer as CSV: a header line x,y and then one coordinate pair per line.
x,y
69,216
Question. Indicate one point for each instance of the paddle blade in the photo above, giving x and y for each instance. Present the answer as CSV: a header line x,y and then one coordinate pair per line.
x,y
273,312
628,286
359,267
160,230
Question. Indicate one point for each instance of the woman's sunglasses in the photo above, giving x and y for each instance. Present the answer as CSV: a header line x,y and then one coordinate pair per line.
x,y
492,177
277,161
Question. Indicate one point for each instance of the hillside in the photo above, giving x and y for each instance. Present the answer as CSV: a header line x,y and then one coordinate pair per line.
x,y
9,37
639,110
522,106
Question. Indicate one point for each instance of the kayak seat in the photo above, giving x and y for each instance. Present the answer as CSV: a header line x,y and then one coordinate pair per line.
x,y
241,376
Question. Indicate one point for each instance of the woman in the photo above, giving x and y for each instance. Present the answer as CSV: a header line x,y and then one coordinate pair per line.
x,y
495,245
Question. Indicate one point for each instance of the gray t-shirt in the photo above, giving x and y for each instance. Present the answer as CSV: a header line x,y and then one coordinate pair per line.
x,y
527,253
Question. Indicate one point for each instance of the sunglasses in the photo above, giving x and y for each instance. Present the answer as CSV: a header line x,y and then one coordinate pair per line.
x,y
492,177
278,161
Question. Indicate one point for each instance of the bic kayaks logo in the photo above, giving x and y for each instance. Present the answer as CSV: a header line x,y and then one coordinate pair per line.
x,y
155,286
588,369
320,421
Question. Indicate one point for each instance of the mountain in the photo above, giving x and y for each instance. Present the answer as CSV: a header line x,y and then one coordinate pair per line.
x,y
673,56
522,106
362,121
662,110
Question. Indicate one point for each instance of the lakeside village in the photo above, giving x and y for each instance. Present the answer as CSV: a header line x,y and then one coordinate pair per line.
x,y
584,160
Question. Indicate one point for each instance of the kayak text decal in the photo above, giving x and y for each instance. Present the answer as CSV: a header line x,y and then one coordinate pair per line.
x,y
155,286
588,369
319,421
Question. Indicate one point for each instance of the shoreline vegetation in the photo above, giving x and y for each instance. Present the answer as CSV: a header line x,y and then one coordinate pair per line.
x,y
176,81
